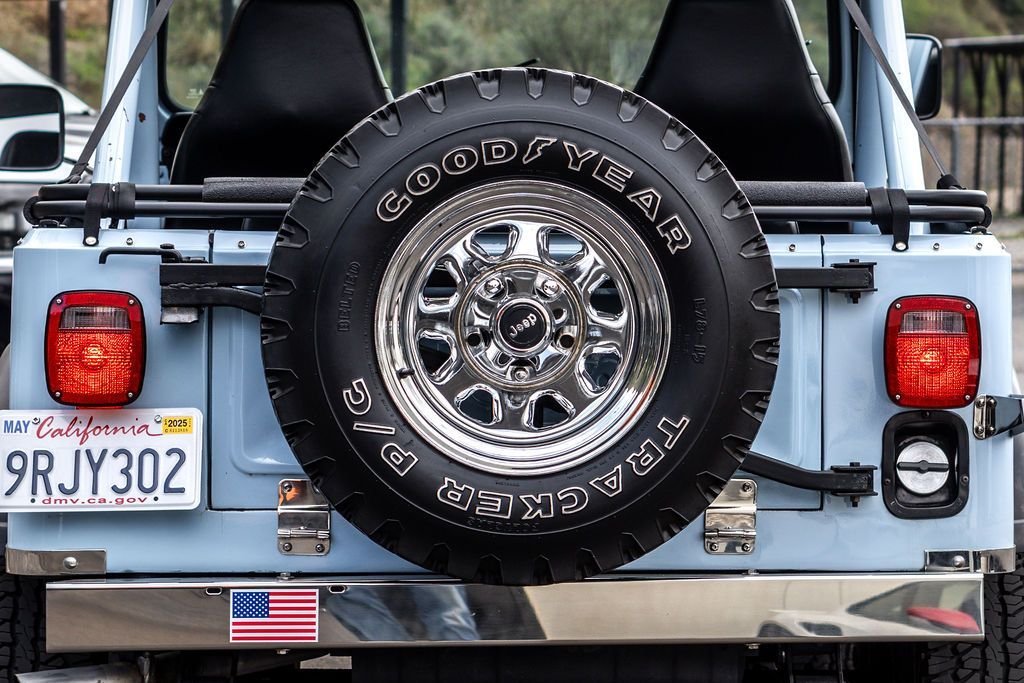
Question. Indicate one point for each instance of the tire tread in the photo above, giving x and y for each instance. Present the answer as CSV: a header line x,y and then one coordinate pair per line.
x,y
23,629
1000,657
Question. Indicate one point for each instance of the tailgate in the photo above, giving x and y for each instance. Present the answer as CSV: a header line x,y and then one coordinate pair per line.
x,y
249,455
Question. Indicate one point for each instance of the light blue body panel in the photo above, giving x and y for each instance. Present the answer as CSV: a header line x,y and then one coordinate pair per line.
x,y
249,456
856,408
245,455
828,407
792,425
248,452
969,266
196,541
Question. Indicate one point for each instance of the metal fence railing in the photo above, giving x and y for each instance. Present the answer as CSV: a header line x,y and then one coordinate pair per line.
x,y
984,137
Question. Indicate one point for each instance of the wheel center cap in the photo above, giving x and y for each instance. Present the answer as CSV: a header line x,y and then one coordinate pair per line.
x,y
523,326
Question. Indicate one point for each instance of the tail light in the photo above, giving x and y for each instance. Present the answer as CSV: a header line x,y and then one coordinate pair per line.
x,y
95,348
932,352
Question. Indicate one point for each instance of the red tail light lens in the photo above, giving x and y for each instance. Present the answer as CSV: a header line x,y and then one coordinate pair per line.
x,y
95,348
932,352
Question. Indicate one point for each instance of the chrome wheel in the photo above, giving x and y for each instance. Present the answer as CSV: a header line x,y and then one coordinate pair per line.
x,y
522,327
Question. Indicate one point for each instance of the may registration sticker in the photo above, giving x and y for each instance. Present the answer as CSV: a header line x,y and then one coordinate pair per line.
x,y
81,460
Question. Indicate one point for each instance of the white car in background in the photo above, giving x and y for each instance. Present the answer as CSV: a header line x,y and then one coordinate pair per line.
x,y
79,121
16,186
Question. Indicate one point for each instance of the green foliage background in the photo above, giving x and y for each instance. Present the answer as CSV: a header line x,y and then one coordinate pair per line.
x,y
608,38
23,32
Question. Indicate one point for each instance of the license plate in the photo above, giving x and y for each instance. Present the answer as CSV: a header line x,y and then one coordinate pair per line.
x,y
83,460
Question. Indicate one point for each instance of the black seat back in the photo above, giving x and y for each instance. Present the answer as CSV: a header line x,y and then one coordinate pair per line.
x,y
736,72
293,78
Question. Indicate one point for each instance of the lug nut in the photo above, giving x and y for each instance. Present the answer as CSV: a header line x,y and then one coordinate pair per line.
x,y
492,286
550,288
520,374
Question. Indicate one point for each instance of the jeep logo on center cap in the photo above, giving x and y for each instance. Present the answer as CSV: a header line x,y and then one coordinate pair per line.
x,y
522,326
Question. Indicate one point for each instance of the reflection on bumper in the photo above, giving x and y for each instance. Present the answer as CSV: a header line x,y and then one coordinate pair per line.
x,y
87,615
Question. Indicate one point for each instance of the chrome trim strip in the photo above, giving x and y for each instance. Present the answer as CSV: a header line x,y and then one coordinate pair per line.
x,y
193,614
995,561
55,562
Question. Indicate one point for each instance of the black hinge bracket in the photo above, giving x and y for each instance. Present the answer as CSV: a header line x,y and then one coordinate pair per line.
x,y
995,415
200,285
211,274
166,252
851,481
853,278
202,296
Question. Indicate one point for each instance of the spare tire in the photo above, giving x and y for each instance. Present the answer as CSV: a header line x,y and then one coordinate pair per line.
x,y
520,326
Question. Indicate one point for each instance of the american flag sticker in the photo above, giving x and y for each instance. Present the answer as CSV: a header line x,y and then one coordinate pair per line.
x,y
275,616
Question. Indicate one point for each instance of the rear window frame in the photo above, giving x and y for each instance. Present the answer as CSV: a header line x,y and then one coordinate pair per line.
x,y
163,92
833,78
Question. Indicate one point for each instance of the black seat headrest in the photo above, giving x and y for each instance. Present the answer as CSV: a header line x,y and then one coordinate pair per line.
x,y
736,72
293,78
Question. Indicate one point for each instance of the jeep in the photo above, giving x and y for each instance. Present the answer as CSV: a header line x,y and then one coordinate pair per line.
x,y
519,375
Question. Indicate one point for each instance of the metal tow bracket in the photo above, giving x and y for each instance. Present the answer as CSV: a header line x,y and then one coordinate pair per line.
x,y
730,521
303,519
997,414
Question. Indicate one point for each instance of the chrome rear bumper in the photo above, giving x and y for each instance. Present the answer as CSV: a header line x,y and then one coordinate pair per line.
x,y
195,614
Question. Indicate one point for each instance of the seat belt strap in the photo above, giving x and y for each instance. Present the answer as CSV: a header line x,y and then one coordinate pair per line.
x,y
946,180
114,101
